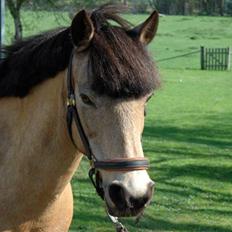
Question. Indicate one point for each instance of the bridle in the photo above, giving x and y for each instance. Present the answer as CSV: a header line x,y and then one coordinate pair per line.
x,y
120,164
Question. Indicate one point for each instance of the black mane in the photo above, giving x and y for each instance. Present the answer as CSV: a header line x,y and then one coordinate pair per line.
x,y
33,60
118,64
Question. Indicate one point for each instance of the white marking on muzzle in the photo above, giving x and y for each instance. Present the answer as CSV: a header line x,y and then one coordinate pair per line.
x,y
135,183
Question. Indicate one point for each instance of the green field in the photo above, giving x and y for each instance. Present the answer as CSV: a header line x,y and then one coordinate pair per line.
x,y
188,134
188,138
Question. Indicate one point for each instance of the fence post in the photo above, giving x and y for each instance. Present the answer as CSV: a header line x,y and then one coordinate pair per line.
x,y
228,59
202,58
2,13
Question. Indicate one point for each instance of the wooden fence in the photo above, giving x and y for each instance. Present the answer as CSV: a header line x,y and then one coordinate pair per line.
x,y
215,58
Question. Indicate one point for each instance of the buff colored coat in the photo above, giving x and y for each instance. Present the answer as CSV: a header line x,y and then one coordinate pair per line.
x,y
37,157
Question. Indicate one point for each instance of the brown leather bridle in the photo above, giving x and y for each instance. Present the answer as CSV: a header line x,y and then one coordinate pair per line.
x,y
120,164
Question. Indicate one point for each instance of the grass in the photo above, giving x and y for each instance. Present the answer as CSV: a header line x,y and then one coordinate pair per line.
x,y
188,138
188,133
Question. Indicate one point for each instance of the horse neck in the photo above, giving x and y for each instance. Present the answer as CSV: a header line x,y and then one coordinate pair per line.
x,y
37,153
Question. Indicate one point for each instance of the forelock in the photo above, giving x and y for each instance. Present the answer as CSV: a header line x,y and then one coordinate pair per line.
x,y
119,64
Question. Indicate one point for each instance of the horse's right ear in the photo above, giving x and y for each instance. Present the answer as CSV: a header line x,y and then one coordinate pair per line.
x,y
82,30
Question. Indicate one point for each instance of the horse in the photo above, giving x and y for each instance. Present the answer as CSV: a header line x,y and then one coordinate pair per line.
x,y
69,92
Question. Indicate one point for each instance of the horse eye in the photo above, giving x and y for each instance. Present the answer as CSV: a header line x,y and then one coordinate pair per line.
x,y
145,107
145,111
149,98
86,99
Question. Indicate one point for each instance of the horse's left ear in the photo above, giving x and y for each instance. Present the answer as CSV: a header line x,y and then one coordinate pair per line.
x,y
146,31
82,30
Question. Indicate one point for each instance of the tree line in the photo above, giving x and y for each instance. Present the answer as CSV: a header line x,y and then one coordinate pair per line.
x,y
169,7
193,7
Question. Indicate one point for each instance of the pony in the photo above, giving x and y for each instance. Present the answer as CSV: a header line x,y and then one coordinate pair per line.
x,y
112,78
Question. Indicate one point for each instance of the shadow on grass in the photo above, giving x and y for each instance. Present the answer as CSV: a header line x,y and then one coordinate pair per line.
x,y
219,173
165,225
172,153
86,218
209,129
185,190
214,131
202,134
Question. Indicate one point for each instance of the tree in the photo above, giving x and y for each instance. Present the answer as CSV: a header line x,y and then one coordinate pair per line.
x,y
125,2
221,7
229,7
14,8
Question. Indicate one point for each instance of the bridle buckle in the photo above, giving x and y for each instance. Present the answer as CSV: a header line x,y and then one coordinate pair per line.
x,y
91,163
71,101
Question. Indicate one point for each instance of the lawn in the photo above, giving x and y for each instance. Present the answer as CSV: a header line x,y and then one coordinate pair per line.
x,y
188,138
188,133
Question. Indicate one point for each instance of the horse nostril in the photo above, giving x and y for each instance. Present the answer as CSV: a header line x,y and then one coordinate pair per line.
x,y
141,202
117,196
120,197
138,203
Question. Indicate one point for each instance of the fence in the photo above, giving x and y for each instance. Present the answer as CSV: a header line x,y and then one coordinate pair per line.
x,y
2,12
215,58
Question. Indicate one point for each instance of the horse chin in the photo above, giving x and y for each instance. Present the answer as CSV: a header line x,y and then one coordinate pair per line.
x,y
124,212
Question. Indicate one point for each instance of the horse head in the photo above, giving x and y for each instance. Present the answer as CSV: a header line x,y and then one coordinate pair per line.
x,y
112,77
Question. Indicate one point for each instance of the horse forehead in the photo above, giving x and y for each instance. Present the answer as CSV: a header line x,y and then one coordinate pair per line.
x,y
123,110
126,106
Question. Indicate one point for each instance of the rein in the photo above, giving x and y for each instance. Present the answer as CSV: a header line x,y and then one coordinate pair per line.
x,y
120,164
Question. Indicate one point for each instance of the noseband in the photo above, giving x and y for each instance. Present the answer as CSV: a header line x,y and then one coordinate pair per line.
x,y
119,164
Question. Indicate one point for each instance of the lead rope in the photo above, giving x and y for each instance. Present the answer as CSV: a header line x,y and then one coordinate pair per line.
x,y
72,112
118,225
